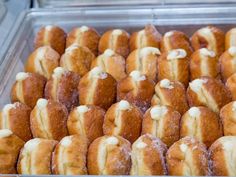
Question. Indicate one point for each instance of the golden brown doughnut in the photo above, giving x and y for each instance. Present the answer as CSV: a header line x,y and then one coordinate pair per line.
x,y
204,62
86,120
188,157
174,65
209,37
97,88
209,92
148,37
52,36
230,38
148,156
120,119
201,123
42,61
62,87
16,117
112,63
48,120
231,86
77,59
145,61
28,88
171,93
117,40
35,157
109,155
84,36
69,156
162,122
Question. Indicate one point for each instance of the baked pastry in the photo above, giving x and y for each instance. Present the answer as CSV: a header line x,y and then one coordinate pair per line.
x,y
201,123
136,89
209,37
204,62
120,119
69,156
112,63
35,157
222,156
109,155
208,92
174,65
87,121
175,40
230,38
84,36
16,117
42,61
228,63
77,59
145,61
231,85
48,120
10,146
148,156
171,93
62,87
228,117
188,157
117,40
162,122
148,37
97,88
28,88
53,36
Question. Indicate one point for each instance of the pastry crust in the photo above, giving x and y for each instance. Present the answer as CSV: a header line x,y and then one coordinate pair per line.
x,y
28,88
97,88
188,157
77,59
109,155
117,40
228,118
209,37
175,40
112,63
10,146
148,156
171,93
204,62
136,89
148,37
120,119
222,156
87,121
162,122
16,117
69,156
201,123
52,36
230,38
35,157
208,92
62,87
174,65
84,36
145,61
48,120
42,61
231,86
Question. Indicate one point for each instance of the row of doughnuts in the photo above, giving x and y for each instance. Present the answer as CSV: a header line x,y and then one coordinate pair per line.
x,y
114,155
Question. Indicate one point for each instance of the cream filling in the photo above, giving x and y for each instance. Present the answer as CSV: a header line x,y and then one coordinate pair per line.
x,y
5,124
5,133
114,38
166,40
141,39
204,65
232,41
137,158
39,62
188,162
117,122
57,75
47,32
207,34
80,111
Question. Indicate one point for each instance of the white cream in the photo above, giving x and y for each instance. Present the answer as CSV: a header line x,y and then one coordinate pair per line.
x,y
168,34
21,76
5,133
82,109
117,32
42,103
7,108
227,145
165,83
112,140
49,27
57,72
207,53
84,28
109,52
158,111
32,144
205,31
72,47
234,106
137,76
123,105
141,145
232,51
41,52
183,147
66,141
194,112
196,84
176,54
149,50
97,72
